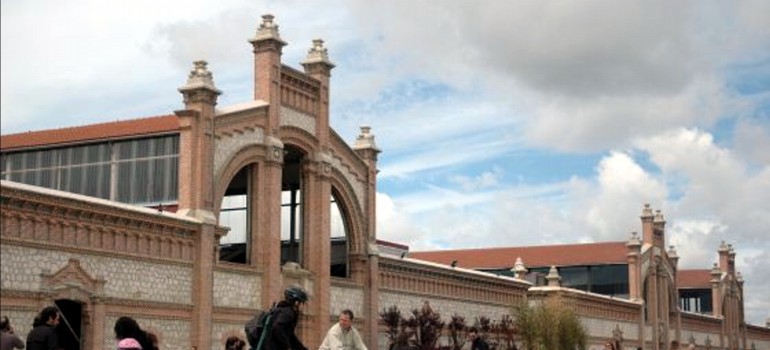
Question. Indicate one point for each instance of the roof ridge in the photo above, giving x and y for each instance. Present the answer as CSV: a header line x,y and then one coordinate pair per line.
x,y
517,247
64,128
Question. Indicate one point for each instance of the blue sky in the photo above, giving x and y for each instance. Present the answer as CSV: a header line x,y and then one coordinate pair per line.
x,y
511,123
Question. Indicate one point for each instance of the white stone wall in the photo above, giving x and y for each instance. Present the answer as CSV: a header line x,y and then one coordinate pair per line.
x,y
172,334
444,306
234,289
21,320
602,328
700,337
297,119
220,332
346,298
757,344
21,269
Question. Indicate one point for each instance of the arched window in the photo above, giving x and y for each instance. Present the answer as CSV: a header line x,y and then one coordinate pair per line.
x,y
291,206
235,213
339,239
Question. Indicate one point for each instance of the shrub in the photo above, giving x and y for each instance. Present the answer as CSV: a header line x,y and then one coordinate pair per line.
x,y
549,325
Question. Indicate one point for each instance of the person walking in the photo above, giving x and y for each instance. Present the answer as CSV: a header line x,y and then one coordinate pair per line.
x,y
126,327
9,340
342,336
281,333
129,344
234,343
43,336
477,342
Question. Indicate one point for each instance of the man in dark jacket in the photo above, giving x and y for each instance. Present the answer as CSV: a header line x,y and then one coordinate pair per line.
x,y
283,323
477,343
43,336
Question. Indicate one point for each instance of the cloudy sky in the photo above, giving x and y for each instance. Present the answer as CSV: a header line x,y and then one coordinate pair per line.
x,y
512,123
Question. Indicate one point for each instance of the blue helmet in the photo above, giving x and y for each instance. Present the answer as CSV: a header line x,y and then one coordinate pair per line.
x,y
295,293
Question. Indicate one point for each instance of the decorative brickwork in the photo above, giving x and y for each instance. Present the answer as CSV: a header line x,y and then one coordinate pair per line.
x,y
291,117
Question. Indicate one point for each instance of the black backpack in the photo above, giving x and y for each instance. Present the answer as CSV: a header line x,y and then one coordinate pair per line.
x,y
256,327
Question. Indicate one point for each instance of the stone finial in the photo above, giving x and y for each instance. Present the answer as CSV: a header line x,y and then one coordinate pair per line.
x,y
723,247
200,78
519,270
672,252
716,273
365,139
267,30
739,277
633,240
647,211
318,54
659,217
553,277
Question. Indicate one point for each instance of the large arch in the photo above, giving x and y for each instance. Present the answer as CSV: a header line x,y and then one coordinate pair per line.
x,y
351,212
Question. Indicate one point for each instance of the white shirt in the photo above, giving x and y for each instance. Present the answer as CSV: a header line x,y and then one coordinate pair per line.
x,y
339,339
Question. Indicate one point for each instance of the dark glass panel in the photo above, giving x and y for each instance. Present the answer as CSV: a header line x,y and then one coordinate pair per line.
x,y
574,277
609,279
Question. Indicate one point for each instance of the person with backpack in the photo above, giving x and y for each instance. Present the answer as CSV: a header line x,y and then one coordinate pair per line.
x,y
279,324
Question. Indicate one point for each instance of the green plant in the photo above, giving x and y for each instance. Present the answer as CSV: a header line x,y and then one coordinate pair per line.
x,y
391,318
550,324
428,327
456,328
504,331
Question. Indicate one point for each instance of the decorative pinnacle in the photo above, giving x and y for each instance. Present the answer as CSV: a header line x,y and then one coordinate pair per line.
x,y
200,78
519,269
659,217
633,241
553,276
365,139
647,211
318,54
267,30
672,252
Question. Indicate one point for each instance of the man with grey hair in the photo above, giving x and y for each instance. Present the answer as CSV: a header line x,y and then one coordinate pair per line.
x,y
342,336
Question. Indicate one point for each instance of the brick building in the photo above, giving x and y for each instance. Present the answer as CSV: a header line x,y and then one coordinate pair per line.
x,y
192,221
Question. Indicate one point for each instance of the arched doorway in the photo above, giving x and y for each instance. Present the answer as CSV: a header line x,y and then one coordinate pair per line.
x,y
70,328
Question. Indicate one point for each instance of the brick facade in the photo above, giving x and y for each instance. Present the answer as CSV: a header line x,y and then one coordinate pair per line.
x,y
162,268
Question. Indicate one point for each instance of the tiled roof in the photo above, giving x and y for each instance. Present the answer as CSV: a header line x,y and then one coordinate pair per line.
x,y
693,279
534,256
392,244
93,132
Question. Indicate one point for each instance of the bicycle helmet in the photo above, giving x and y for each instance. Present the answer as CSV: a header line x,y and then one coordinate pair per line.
x,y
295,294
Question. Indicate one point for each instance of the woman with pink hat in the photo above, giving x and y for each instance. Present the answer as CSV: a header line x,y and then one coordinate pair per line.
x,y
129,344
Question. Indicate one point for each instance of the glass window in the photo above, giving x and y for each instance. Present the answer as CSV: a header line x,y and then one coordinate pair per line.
x,y
574,277
609,279
235,216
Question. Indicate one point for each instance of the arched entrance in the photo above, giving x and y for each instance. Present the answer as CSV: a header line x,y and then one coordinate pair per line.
x,y
70,328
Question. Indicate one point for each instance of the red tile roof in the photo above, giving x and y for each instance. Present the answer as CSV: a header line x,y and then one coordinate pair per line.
x,y
93,132
534,256
693,279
